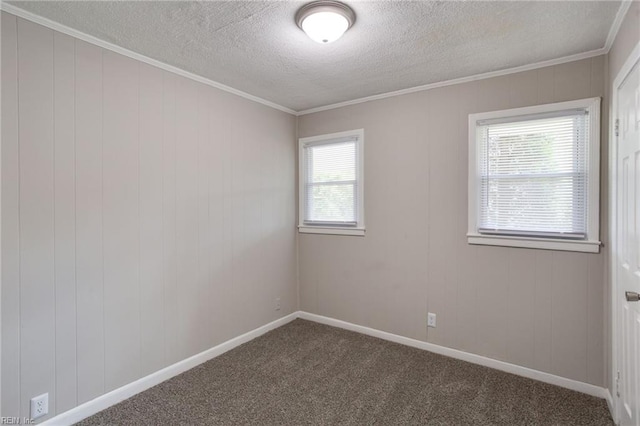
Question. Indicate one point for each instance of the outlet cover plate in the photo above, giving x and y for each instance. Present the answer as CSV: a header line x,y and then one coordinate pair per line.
x,y
39,406
431,320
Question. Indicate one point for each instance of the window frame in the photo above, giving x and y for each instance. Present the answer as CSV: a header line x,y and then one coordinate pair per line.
x,y
591,244
358,229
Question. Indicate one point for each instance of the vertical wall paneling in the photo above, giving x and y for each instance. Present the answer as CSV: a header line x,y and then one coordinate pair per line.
x,y
546,84
572,80
203,243
595,319
170,280
217,141
492,295
187,217
249,217
521,286
523,89
152,300
569,315
543,302
252,227
230,203
65,220
443,268
269,173
10,221
120,156
89,232
467,307
238,196
37,288
226,233
534,308
125,199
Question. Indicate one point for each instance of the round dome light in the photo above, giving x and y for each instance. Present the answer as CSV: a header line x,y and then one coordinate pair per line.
x,y
325,21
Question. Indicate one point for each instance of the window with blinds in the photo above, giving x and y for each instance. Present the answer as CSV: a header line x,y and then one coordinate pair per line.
x,y
331,182
535,175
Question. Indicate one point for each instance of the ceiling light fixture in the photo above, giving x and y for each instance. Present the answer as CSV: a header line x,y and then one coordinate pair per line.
x,y
325,21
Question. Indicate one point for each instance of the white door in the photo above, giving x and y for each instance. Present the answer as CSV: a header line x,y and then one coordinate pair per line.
x,y
627,253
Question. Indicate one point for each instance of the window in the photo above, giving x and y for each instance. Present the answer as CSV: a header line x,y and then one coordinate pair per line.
x,y
331,184
534,176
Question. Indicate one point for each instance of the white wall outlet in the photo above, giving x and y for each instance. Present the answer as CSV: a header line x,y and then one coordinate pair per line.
x,y
431,320
278,305
40,406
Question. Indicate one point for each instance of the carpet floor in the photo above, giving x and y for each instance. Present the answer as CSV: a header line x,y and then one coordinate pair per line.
x,y
306,373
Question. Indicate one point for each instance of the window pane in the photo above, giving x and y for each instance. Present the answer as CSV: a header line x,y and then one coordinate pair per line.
x,y
536,146
332,202
545,205
330,190
332,162
533,176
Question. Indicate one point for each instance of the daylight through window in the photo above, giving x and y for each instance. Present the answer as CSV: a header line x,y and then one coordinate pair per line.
x,y
331,183
534,174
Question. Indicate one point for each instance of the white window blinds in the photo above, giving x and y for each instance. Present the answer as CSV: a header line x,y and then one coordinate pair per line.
x,y
534,175
330,182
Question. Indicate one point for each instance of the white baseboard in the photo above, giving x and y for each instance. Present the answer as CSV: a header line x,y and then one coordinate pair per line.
x,y
107,400
102,402
541,376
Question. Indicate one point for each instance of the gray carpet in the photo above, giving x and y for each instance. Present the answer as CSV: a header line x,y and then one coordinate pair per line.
x,y
306,373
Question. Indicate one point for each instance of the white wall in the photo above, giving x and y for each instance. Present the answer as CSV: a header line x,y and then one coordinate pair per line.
x,y
145,218
535,308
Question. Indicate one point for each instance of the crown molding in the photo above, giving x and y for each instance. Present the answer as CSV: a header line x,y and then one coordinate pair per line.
x,y
491,74
9,8
613,32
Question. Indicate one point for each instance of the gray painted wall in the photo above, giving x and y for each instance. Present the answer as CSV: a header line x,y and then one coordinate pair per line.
x,y
134,233
627,38
145,218
534,308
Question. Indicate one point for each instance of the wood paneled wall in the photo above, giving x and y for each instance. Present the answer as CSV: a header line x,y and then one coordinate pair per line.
x,y
538,309
145,218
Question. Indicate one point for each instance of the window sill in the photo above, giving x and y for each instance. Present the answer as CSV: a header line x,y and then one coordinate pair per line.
x,y
535,243
330,231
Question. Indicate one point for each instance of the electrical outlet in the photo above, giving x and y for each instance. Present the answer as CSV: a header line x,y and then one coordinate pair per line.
x,y
40,406
431,320
278,304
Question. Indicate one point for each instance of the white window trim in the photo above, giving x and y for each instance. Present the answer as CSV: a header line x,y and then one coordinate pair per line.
x,y
592,243
359,229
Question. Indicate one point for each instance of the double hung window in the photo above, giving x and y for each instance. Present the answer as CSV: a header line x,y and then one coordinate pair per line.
x,y
331,183
534,176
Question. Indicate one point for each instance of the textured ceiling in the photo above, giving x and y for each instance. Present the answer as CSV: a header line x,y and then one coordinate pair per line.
x,y
255,46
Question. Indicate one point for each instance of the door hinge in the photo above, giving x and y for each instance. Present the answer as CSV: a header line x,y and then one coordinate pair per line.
x,y
618,384
617,127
